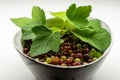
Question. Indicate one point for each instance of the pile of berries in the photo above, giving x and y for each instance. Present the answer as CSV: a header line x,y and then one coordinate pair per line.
x,y
72,52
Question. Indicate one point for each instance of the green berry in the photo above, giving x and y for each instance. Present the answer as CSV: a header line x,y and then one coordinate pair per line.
x,y
63,58
37,59
48,60
94,59
76,60
79,46
52,57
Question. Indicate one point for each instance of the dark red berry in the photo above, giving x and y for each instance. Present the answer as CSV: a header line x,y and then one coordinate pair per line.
x,y
25,50
69,61
79,51
78,55
60,62
69,47
86,57
86,50
65,53
66,44
61,48
73,55
58,54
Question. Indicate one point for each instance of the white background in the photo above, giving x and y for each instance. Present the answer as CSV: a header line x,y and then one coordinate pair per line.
x,y
11,65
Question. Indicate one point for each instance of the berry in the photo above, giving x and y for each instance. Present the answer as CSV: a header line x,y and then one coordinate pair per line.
x,y
76,63
56,60
94,59
25,50
79,51
69,61
76,60
84,63
52,57
63,58
70,51
79,46
48,60
86,50
73,55
86,57
58,54
78,55
60,62
65,44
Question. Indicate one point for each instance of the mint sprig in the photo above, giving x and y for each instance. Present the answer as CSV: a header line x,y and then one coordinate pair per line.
x,y
46,33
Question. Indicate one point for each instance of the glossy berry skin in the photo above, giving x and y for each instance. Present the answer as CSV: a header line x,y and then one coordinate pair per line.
x,y
55,60
63,58
60,62
79,55
48,60
73,55
76,60
86,57
25,50
69,61
86,50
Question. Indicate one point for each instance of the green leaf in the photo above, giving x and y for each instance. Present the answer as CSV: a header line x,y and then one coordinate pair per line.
x,y
38,15
68,25
45,41
96,23
21,22
27,35
27,31
61,15
94,53
78,15
99,39
55,23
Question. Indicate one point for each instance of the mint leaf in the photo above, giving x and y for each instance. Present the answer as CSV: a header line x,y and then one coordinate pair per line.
x,y
61,15
94,53
21,22
99,39
45,41
78,15
38,15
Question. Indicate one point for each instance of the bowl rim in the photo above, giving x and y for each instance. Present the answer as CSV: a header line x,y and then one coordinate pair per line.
x,y
65,67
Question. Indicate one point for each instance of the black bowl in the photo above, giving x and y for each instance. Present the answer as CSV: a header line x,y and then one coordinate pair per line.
x,y
44,71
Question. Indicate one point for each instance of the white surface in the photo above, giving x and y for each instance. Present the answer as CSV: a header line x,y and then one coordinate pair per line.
x,y
13,68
